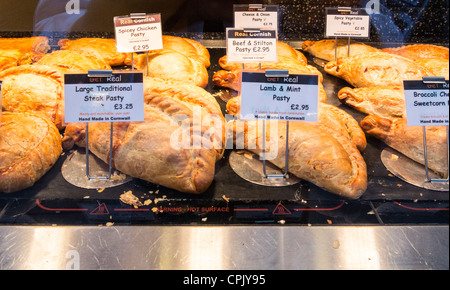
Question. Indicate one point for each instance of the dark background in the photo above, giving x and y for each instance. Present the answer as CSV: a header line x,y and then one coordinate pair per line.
x,y
399,21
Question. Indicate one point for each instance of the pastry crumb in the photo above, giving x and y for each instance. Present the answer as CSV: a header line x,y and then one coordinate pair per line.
x,y
130,199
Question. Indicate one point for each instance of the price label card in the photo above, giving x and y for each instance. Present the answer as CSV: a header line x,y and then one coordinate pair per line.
x,y
118,98
292,98
246,46
347,22
426,104
256,16
137,34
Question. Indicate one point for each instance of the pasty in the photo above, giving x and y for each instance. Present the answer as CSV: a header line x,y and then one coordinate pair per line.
x,y
177,144
37,44
287,56
188,47
386,102
29,146
408,140
232,79
102,48
325,49
376,69
437,67
172,65
420,51
67,60
316,154
10,58
34,88
329,116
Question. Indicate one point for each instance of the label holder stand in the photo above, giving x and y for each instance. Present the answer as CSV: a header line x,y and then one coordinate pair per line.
x,y
342,9
433,80
93,74
255,175
140,15
281,74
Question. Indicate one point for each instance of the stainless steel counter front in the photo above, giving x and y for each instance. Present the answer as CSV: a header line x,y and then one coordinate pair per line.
x,y
224,247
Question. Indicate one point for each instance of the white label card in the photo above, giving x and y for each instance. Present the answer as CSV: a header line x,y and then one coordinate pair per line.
x,y
351,22
426,104
119,98
292,98
256,16
137,34
244,46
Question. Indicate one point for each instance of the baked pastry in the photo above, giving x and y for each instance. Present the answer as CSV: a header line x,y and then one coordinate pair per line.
x,y
101,48
172,65
67,60
408,140
386,102
232,79
316,154
167,148
188,47
29,146
376,69
37,44
34,88
329,116
325,49
287,56
437,67
420,51
9,58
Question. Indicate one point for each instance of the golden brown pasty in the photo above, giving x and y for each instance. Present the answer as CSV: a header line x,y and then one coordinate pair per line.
x,y
287,56
437,67
9,58
38,44
408,140
386,102
232,79
166,149
316,154
325,49
67,60
29,146
172,65
329,115
34,88
188,47
376,69
420,51
14,57
101,48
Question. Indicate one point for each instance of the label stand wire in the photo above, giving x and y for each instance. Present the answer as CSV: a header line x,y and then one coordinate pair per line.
x,y
276,73
138,16
426,158
342,9
434,80
99,73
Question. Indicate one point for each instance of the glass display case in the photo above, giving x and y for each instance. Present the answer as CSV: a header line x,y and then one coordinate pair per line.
x,y
356,191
